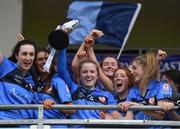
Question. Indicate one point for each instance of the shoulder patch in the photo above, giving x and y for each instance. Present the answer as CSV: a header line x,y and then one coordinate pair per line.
x,y
166,87
152,101
102,99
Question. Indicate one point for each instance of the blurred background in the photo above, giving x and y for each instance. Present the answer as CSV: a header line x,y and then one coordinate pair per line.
x,y
157,25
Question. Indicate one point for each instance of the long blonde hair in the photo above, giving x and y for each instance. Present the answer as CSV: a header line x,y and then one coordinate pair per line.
x,y
151,69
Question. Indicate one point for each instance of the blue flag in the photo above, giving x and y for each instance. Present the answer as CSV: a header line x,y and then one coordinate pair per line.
x,y
114,19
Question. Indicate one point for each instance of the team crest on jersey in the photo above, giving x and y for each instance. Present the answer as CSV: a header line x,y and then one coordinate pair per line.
x,y
80,94
152,101
166,87
102,99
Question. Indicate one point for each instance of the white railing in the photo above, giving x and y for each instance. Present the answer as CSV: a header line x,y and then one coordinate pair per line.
x,y
98,122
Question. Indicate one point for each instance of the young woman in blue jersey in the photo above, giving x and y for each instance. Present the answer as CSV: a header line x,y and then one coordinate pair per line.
x,y
123,81
172,77
87,92
51,89
16,84
148,90
109,64
122,78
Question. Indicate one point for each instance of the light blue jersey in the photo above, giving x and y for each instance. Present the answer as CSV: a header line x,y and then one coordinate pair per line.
x,y
15,89
59,93
156,90
82,96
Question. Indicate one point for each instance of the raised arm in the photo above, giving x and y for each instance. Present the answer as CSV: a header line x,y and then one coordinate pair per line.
x,y
89,42
75,61
63,72
94,34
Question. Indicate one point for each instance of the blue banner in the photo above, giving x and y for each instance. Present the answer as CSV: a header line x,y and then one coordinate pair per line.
x,y
171,62
114,19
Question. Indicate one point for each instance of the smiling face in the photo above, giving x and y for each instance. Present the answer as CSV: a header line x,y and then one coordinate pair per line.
x,y
109,65
41,60
25,57
88,75
121,81
137,71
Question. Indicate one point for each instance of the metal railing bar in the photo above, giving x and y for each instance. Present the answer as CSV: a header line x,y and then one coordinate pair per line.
x,y
85,107
114,122
40,116
97,122
19,122
107,107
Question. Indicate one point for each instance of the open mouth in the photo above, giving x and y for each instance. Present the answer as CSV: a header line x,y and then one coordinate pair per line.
x,y
119,85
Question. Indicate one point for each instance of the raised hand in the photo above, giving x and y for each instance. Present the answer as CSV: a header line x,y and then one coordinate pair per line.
x,y
81,55
89,39
161,55
20,37
89,42
96,33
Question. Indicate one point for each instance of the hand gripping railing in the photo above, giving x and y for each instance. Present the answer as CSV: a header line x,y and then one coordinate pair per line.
x,y
40,121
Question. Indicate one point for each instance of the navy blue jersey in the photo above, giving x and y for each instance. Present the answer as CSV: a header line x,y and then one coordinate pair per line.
x,y
59,93
15,89
120,101
156,90
83,96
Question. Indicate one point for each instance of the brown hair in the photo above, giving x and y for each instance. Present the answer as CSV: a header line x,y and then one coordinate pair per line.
x,y
52,70
129,75
101,63
16,49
